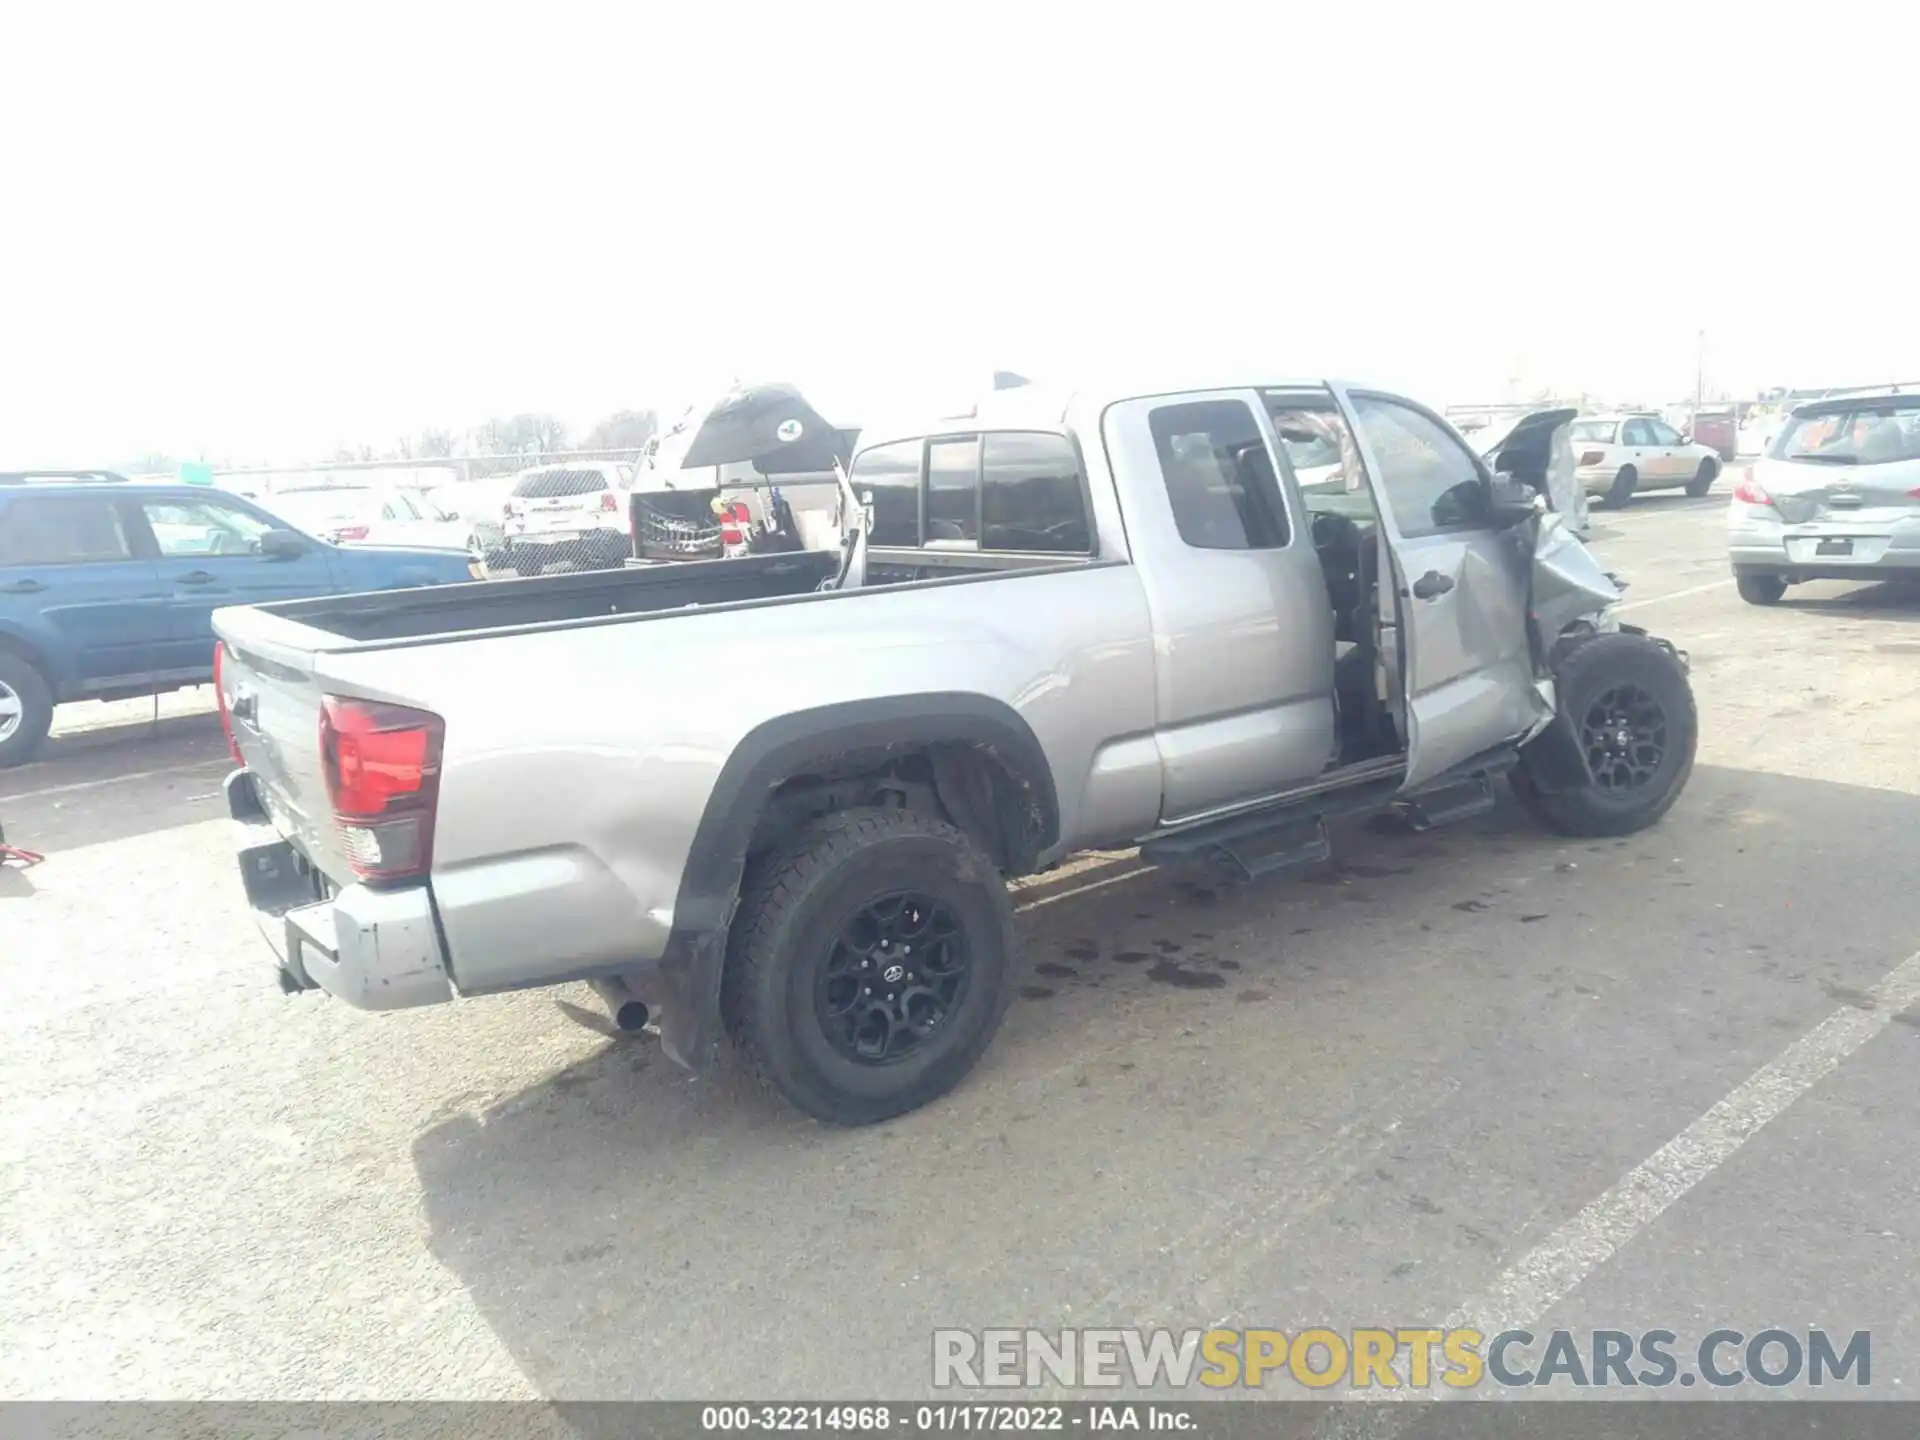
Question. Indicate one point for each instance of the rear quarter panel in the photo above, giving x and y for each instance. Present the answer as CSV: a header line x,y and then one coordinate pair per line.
x,y
579,762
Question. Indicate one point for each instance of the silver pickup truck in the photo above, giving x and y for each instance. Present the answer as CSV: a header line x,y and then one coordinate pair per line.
x,y
779,796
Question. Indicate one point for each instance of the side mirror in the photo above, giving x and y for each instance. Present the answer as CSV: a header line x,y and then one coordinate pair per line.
x,y
1514,501
282,545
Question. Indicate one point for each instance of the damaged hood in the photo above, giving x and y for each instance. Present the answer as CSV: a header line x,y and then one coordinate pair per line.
x,y
1537,449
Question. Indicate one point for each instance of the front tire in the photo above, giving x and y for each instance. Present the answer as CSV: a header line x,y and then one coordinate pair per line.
x,y
1702,482
1633,713
823,990
26,709
1624,484
1759,587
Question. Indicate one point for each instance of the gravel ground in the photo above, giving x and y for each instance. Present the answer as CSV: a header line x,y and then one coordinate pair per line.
x,y
1416,1083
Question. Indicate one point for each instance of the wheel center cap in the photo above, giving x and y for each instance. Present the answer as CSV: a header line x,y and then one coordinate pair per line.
x,y
894,974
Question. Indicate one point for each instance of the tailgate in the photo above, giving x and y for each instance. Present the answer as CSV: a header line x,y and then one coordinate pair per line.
x,y
272,696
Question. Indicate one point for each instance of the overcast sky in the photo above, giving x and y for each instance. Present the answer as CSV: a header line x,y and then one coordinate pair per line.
x,y
225,232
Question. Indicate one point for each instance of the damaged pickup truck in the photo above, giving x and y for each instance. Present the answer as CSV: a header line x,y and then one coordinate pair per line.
x,y
780,796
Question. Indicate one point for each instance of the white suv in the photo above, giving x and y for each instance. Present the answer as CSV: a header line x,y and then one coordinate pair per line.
x,y
1619,455
570,513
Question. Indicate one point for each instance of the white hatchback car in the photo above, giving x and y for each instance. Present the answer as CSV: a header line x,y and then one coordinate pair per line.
x,y
568,513
1618,456
1836,498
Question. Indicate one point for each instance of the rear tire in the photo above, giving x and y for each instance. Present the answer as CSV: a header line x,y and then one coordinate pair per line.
x,y
26,709
1633,713
1703,481
809,1012
1621,491
1759,587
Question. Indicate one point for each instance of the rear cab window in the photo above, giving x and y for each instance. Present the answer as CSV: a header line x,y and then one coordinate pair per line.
x,y
999,493
559,484
43,530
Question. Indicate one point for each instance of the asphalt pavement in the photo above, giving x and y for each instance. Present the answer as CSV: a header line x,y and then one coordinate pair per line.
x,y
1480,1074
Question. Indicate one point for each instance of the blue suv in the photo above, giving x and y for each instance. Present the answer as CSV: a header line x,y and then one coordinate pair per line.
x,y
108,586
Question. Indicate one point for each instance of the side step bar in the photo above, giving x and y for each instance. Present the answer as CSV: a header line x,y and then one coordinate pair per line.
x,y
1293,833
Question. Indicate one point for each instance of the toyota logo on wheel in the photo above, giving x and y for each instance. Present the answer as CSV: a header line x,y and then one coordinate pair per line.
x,y
894,974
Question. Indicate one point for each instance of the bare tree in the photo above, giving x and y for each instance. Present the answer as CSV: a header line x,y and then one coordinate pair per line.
x,y
523,434
623,430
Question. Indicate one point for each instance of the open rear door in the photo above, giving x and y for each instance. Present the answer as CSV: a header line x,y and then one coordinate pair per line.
x,y
1457,598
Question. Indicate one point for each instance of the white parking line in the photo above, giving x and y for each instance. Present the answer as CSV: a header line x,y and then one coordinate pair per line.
x,y
1542,1277
80,785
1676,595
1083,889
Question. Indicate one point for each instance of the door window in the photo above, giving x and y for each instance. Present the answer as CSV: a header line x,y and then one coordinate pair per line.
x,y
1431,481
1664,434
1031,497
1637,432
1219,476
198,529
62,530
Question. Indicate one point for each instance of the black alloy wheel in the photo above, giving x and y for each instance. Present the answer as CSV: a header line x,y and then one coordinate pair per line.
x,y
1624,733
896,971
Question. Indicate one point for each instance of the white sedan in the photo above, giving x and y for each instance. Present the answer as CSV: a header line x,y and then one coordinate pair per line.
x,y
1617,456
365,515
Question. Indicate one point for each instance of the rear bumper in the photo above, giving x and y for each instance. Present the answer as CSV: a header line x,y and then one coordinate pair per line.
x,y
374,949
1793,549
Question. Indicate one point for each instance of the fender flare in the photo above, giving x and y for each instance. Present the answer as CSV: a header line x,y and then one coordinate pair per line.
x,y
766,756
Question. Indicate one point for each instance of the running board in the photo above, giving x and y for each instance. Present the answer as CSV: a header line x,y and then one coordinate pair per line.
x,y
1461,800
1460,794
1293,833
1282,837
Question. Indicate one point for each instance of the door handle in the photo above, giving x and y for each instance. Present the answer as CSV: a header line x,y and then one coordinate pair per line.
x,y
1432,585
24,587
195,577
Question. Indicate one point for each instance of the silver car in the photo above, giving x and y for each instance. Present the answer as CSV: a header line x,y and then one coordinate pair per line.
x,y
1836,498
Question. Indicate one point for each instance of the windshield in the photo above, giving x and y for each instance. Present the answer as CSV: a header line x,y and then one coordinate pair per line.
x,y
1874,434
1598,431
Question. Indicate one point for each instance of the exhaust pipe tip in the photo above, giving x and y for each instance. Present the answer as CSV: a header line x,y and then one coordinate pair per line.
x,y
628,1011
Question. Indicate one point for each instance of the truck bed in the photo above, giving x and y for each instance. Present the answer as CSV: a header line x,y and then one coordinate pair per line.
x,y
511,604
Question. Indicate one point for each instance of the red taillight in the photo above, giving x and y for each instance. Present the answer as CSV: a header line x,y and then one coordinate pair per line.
x,y
350,532
609,502
220,699
1749,491
1593,457
382,764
